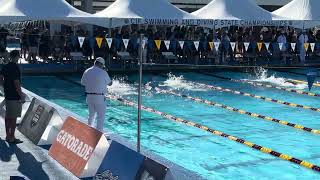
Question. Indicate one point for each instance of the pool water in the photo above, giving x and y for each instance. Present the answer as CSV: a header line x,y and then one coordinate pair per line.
x,y
210,156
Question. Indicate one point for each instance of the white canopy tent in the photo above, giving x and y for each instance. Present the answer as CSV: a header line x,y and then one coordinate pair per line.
x,y
150,12
50,10
224,13
303,10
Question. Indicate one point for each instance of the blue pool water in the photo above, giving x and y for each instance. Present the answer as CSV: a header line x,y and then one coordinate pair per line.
x,y
212,157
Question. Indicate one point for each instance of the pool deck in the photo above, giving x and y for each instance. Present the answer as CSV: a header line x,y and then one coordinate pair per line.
x,y
28,161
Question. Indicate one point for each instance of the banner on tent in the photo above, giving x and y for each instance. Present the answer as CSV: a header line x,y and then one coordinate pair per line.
x,y
125,42
109,42
151,21
306,46
81,40
216,45
233,46
244,23
293,46
208,22
267,45
246,46
167,44
158,43
99,41
181,43
259,46
281,46
211,45
196,44
312,46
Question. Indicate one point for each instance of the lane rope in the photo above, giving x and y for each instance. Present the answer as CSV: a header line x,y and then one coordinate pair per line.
x,y
301,82
217,88
264,85
254,146
265,150
255,115
297,126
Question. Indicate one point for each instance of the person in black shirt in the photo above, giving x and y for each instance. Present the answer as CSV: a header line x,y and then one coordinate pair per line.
x,y
14,98
3,39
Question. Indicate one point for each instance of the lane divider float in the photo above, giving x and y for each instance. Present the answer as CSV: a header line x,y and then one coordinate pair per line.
x,y
254,146
217,88
255,115
264,85
294,81
265,150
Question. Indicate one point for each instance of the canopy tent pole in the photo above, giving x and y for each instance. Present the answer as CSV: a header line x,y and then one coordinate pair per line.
x,y
109,36
139,91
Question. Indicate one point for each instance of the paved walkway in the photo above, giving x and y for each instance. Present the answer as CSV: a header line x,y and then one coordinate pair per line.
x,y
28,161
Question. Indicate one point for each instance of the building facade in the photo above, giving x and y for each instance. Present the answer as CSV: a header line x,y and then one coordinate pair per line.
x,y
188,5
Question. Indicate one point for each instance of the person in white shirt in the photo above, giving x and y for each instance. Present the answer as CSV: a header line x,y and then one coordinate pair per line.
x,y
96,80
303,38
282,39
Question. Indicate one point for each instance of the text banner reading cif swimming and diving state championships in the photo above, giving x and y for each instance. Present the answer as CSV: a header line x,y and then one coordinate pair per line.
x,y
207,22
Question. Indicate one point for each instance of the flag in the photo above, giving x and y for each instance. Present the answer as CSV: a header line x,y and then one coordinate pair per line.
x,y
267,45
125,42
144,42
311,77
211,45
293,46
306,46
246,46
280,46
259,46
196,44
233,45
312,45
109,42
181,43
216,45
167,43
99,41
81,40
158,43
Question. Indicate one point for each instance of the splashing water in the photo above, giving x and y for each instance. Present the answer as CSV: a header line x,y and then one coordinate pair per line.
x,y
262,76
120,87
178,82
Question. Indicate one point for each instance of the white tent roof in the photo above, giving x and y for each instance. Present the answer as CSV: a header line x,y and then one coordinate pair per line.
x,y
144,12
236,10
300,10
233,10
303,10
59,10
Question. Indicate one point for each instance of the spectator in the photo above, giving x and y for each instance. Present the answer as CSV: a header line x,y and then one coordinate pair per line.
x,y
14,98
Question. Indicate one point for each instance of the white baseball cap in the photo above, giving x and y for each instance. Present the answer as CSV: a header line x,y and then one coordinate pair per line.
x,y
101,60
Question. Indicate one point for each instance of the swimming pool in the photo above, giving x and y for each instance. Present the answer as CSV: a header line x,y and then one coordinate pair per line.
x,y
210,156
